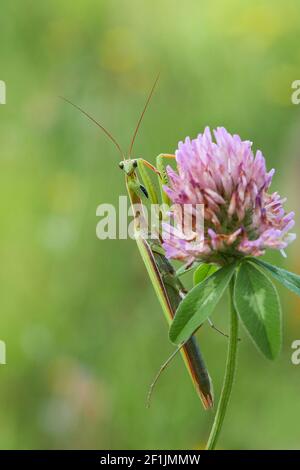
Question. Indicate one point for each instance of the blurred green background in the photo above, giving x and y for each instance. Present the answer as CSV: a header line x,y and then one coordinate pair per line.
x,y
83,329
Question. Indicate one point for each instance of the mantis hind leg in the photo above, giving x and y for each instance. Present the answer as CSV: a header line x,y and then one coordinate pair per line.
x,y
212,325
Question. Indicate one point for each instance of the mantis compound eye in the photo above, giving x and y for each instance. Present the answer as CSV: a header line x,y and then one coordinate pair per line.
x,y
134,163
121,165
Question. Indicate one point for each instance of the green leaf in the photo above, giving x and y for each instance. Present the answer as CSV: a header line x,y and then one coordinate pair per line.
x,y
289,280
257,303
199,303
203,271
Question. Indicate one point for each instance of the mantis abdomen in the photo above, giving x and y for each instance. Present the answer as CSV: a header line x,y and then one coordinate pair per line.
x,y
170,292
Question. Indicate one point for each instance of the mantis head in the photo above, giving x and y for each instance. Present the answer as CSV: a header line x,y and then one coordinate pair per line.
x,y
128,166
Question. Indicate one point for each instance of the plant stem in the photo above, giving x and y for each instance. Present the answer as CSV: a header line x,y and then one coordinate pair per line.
x,y
229,374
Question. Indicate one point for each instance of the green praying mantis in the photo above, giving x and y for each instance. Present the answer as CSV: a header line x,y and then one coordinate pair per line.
x,y
166,282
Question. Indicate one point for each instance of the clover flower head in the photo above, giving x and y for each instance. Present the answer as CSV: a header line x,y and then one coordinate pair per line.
x,y
241,216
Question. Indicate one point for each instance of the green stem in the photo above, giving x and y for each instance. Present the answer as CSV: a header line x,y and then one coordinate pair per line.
x,y
229,374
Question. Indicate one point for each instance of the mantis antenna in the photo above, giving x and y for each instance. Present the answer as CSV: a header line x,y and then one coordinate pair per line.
x,y
109,135
142,115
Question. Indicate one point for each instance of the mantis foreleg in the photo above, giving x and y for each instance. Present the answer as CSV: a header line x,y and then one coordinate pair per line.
x,y
164,177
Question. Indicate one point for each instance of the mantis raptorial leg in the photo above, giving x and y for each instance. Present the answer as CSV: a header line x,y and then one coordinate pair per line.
x,y
164,177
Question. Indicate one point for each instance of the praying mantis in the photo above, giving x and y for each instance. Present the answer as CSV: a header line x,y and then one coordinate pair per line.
x,y
167,285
